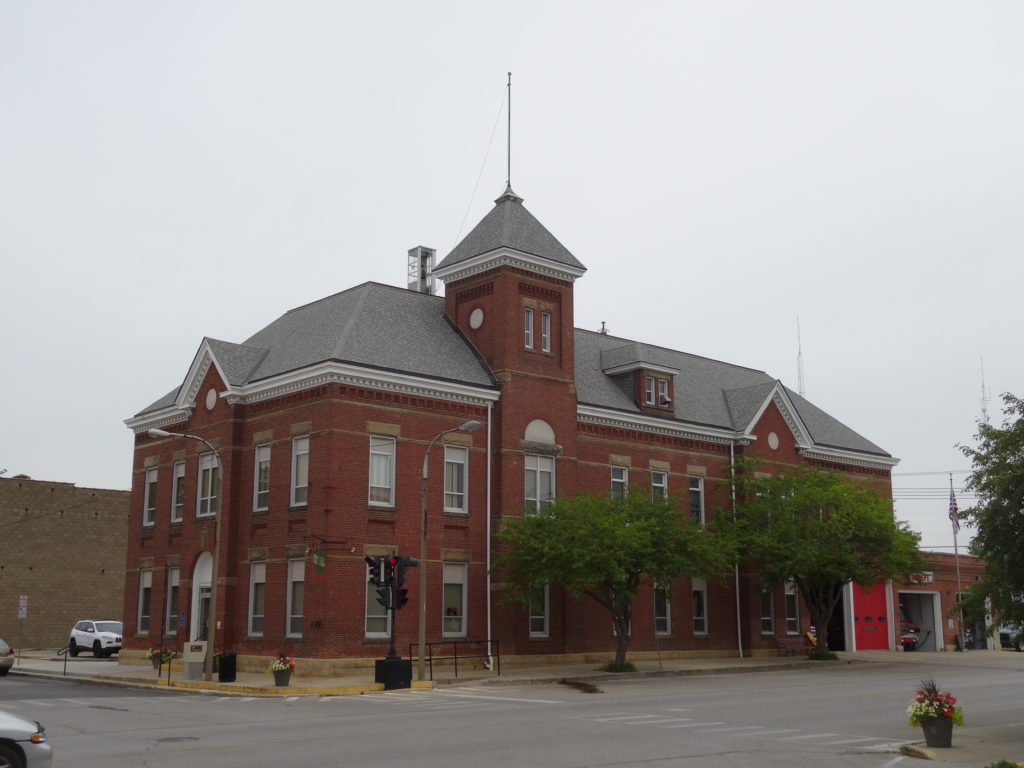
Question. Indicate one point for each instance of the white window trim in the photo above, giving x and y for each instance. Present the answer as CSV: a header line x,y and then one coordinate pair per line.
x,y
145,586
649,390
545,331
447,569
208,462
296,574
171,604
791,590
300,447
382,613
546,615
263,448
668,613
700,584
177,503
659,490
382,447
663,399
767,620
533,464
527,327
457,454
620,484
149,497
257,575
699,481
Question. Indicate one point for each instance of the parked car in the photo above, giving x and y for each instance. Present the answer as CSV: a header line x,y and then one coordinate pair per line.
x,y
23,743
103,637
1011,636
6,658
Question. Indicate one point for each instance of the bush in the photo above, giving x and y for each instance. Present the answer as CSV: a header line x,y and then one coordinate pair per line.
x,y
611,666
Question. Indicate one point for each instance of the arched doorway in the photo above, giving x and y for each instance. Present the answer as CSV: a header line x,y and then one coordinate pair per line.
x,y
202,578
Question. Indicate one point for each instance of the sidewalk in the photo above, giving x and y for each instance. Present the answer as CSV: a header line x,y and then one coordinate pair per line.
x,y
977,746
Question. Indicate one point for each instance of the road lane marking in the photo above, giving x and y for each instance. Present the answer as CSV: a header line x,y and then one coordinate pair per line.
x,y
496,698
809,736
695,725
853,741
766,733
735,728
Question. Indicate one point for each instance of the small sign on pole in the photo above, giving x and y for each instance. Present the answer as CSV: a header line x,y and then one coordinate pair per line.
x,y
1017,597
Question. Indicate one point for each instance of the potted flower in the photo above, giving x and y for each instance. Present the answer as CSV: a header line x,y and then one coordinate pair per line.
x,y
282,668
158,656
936,713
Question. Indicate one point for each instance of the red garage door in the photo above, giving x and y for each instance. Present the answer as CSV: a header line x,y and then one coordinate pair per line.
x,y
870,627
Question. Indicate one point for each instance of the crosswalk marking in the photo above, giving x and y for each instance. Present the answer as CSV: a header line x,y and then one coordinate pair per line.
x,y
695,725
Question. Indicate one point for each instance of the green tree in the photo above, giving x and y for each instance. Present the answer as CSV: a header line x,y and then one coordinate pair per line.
x,y
821,530
606,548
997,480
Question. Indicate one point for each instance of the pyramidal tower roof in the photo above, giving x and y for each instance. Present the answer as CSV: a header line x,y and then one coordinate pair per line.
x,y
510,227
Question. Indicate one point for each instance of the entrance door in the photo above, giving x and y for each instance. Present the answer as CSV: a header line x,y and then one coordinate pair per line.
x,y
202,578
870,626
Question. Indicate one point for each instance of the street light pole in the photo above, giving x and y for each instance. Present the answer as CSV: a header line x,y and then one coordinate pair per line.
x,y
208,659
421,638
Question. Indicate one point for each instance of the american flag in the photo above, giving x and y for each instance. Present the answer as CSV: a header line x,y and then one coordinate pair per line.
x,y
953,509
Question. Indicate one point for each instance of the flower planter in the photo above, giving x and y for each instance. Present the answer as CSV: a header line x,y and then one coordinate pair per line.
x,y
282,677
938,732
156,662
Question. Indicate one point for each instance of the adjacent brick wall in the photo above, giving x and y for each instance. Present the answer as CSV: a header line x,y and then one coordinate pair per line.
x,y
64,547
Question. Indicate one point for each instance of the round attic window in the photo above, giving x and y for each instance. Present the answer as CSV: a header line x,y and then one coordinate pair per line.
x,y
476,318
211,399
773,441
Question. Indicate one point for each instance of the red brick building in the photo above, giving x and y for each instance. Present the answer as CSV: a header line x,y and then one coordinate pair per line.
x,y
322,421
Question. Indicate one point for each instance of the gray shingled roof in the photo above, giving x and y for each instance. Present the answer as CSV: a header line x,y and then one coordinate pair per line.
x,y
707,392
372,325
510,225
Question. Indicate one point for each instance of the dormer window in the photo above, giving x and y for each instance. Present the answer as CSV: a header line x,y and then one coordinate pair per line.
x,y
663,399
657,392
649,390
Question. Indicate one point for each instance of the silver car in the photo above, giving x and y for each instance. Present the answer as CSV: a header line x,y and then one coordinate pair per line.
x,y
23,743
6,658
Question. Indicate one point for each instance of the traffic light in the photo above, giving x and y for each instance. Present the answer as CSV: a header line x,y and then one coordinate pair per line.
x,y
404,564
374,571
401,597
384,597
390,567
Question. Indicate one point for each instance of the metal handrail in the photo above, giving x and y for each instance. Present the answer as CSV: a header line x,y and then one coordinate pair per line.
x,y
455,653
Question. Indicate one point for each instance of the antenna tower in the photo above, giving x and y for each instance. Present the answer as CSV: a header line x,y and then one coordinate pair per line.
x,y
986,394
799,360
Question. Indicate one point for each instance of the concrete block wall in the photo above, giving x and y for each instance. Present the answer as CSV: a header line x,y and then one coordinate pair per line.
x,y
64,547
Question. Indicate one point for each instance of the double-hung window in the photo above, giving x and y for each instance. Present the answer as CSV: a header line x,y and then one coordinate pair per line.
x,y
620,482
178,493
296,596
528,328
382,471
662,611
649,390
149,505
768,613
540,482
545,331
257,598
378,618
454,600
539,612
699,588
209,481
456,459
663,400
300,471
261,478
697,499
659,485
792,608
171,603
145,600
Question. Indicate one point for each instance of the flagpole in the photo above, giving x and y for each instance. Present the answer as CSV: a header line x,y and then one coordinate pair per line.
x,y
956,555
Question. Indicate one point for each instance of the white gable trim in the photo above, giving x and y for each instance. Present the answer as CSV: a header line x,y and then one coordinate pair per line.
x,y
196,373
591,415
840,456
778,395
314,376
500,257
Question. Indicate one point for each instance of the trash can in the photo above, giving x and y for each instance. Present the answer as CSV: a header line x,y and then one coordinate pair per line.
x,y
226,666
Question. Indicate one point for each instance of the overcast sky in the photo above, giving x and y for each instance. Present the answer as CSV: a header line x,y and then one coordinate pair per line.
x,y
170,171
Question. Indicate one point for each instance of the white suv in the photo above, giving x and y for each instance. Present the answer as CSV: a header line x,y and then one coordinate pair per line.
x,y
103,637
